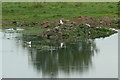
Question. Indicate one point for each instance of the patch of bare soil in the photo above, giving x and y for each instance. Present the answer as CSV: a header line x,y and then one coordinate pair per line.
x,y
96,22
82,26
93,22
5,22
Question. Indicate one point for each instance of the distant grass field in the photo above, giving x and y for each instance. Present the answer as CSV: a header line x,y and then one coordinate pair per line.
x,y
36,11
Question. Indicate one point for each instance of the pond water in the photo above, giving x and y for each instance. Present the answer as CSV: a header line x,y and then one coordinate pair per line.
x,y
83,59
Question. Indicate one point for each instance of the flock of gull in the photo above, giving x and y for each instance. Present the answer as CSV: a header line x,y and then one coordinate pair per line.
x,y
62,44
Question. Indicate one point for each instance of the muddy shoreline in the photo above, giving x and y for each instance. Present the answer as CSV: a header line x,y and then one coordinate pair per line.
x,y
82,27
94,22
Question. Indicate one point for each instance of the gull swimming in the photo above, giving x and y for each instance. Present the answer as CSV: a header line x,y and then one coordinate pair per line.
x,y
29,43
62,45
10,29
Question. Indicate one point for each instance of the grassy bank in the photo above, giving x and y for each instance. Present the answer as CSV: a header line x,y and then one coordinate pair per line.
x,y
42,19
32,12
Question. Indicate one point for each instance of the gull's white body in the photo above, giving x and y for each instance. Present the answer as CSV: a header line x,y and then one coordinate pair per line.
x,y
29,43
114,29
88,25
61,22
61,45
10,29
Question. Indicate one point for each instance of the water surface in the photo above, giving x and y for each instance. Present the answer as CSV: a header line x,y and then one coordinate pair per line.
x,y
83,59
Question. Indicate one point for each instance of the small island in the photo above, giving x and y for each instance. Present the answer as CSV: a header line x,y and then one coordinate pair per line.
x,y
54,23
60,39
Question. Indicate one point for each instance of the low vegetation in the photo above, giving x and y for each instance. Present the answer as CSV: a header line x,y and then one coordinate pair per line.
x,y
42,19
35,12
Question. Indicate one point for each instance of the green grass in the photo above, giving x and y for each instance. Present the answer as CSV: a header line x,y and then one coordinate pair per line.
x,y
39,12
36,11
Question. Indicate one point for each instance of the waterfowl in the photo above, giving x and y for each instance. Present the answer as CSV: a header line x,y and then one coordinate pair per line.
x,y
61,22
10,29
87,25
29,43
18,29
113,29
62,45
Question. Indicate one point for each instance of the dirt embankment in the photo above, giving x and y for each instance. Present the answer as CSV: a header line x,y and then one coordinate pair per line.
x,y
80,27
93,22
68,28
96,22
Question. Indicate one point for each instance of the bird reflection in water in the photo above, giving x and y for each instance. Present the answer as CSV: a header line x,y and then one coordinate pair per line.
x,y
75,57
